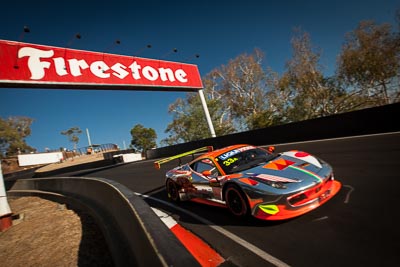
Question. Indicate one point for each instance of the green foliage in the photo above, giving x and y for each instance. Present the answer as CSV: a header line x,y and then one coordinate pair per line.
x,y
143,138
242,95
189,122
369,62
72,134
236,97
13,132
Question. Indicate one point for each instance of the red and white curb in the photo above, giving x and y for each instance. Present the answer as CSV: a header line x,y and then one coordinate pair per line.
x,y
201,251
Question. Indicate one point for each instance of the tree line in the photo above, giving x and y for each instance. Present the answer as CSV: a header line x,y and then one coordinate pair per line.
x,y
245,95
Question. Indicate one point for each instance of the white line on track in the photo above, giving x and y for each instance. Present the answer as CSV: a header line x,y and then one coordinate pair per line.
x,y
259,252
337,138
347,200
321,218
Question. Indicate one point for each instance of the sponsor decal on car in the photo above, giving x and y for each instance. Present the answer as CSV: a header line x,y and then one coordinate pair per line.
x,y
234,152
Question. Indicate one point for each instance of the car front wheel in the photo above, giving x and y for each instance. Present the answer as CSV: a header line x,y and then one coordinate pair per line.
x,y
236,201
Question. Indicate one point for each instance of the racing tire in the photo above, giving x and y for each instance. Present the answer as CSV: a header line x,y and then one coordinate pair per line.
x,y
236,201
172,190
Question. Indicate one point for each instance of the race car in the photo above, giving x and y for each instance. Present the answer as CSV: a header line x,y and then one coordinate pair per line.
x,y
252,180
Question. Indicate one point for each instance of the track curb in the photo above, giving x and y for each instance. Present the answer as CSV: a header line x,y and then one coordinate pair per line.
x,y
200,250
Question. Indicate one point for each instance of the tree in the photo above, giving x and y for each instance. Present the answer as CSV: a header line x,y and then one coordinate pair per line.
x,y
304,80
309,93
72,134
189,122
13,132
143,138
369,62
239,96
242,82
242,95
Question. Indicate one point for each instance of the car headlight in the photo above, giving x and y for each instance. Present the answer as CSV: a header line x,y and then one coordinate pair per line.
x,y
277,185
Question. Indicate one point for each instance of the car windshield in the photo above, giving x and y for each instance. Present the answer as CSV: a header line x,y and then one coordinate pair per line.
x,y
243,158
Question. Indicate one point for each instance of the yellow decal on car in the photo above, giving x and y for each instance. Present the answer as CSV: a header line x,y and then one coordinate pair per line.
x,y
270,209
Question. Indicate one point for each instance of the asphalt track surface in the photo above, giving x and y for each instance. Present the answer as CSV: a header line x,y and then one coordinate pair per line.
x,y
357,227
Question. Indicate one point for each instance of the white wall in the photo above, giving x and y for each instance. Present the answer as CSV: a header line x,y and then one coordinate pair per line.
x,y
42,158
131,157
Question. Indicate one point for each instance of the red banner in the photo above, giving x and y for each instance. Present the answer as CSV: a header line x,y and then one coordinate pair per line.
x,y
31,65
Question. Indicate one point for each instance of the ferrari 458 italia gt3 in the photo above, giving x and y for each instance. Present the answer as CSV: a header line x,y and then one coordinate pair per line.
x,y
251,180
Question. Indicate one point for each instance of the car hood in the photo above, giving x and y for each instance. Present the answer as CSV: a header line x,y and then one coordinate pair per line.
x,y
294,169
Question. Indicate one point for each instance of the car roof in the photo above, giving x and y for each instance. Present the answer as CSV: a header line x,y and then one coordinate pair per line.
x,y
220,151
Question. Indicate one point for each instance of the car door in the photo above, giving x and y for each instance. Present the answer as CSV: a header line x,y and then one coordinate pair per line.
x,y
205,179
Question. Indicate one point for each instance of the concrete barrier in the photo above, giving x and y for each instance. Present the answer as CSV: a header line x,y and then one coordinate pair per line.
x,y
366,121
134,233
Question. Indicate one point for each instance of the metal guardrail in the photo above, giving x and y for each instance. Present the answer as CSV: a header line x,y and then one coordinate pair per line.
x,y
134,233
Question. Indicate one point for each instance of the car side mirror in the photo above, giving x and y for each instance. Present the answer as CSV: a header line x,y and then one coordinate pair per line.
x,y
206,173
271,149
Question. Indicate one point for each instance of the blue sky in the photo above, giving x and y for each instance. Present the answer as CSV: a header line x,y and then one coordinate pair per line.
x,y
217,31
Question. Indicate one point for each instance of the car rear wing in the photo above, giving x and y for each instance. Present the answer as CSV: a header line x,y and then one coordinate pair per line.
x,y
157,164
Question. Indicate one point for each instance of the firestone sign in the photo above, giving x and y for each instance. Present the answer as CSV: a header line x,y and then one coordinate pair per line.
x,y
31,65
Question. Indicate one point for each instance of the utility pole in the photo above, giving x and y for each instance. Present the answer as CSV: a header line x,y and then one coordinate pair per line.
x,y
207,113
90,143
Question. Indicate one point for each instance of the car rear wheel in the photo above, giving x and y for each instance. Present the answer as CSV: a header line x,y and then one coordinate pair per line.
x,y
172,190
236,201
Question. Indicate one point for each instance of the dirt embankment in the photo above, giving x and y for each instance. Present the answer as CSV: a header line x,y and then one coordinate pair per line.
x,y
10,165
46,233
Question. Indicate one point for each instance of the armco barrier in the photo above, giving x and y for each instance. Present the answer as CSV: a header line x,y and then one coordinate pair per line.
x,y
367,121
134,233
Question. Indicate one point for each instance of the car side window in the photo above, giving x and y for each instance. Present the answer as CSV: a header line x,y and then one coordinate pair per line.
x,y
205,165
